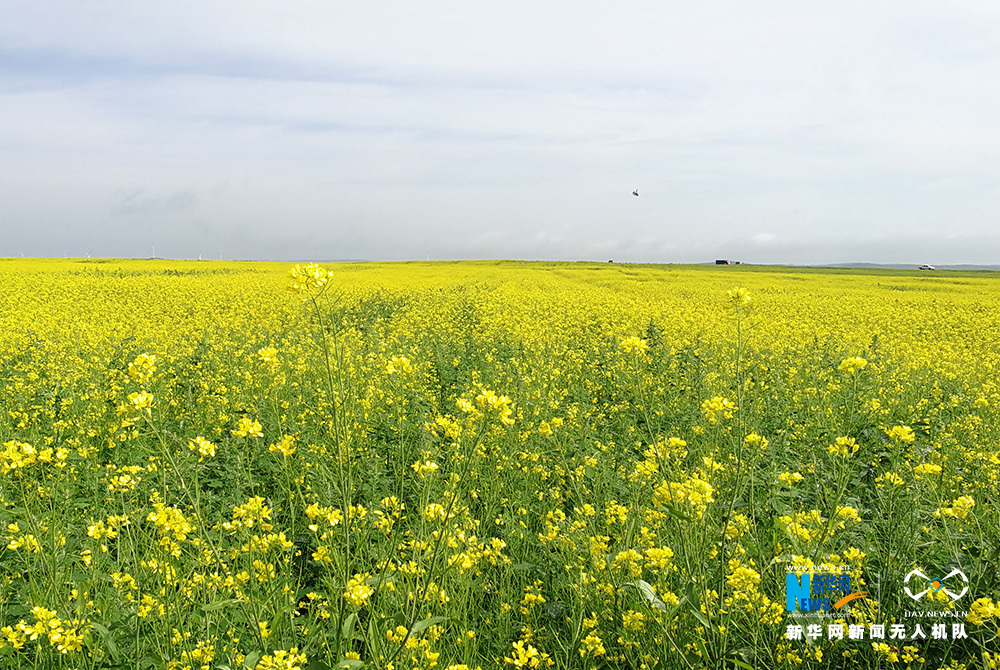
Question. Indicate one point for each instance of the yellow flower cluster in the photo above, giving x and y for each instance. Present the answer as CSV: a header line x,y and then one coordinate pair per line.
x,y
247,427
282,660
19,455
844,446
717,407
634,345
64,635
901,434
982,610
142,368
694,491
170,522
285,446
203,447
254,512
308,278
399,365
358,591
960,508
852,364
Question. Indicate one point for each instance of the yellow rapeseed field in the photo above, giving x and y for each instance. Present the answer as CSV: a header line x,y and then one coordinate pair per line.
x,y
497,464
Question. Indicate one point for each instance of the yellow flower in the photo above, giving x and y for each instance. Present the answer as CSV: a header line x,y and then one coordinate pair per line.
x,y
743,580
526,656
285,446
852,365
927,469
713,407
634,345
142,368
633,620
424,468
399,365
854,555
17,455
886,651
141,400
592,644
358,591
981,610
890,478
790,478
960,508
435,512
843,446
848,513
170,520
267,354
253,511
202,446
740,296
310,277
902,434
247,427
282,660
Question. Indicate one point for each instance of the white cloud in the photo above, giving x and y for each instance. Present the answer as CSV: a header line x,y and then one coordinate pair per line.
x,y
512,129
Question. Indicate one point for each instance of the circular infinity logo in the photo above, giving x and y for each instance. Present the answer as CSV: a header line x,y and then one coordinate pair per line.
x,y
922,581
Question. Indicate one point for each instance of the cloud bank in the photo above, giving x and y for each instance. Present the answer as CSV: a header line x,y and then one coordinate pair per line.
x,y
771,132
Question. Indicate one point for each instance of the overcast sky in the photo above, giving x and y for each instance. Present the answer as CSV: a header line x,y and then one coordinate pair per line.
x,y
770,132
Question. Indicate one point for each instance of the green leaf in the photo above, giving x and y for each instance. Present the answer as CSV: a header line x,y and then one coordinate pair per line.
x,y
696,611
647,592
218,605
696,608
108,640
350,664
250,662
347,629
17,611
676,513
427,623
374,641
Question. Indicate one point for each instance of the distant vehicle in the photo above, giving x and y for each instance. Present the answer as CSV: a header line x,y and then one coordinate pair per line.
x,y
926,267
722,262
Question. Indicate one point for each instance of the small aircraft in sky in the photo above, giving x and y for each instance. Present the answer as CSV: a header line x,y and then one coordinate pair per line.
x,y
636,193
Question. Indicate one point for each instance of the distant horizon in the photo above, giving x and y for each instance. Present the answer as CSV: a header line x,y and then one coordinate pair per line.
x,y
733,262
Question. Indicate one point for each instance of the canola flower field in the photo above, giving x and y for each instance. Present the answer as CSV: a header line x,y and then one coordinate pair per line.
x,y
496,465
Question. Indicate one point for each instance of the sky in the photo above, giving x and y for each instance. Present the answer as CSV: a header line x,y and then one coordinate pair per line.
x,y
767,132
